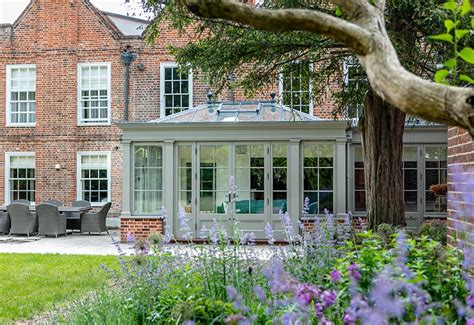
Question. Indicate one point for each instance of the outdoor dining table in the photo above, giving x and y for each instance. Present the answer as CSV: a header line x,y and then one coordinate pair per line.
x,y
60,208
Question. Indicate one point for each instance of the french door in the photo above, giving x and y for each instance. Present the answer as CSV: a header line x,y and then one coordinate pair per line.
x,y
423,166
255,195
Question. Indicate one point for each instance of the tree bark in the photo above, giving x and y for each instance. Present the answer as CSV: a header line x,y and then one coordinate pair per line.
x,y
382,128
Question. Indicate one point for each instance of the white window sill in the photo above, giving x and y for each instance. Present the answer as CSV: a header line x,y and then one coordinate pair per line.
x,y
97,204
94,124
21,125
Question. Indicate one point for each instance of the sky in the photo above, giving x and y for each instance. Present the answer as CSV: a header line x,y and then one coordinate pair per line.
x,y
11,9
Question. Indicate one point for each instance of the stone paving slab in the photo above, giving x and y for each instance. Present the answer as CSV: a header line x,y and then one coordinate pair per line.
x,y
71,244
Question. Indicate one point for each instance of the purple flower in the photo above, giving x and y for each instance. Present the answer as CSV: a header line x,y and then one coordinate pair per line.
x,y
348,319
354,273
269,234
247,238
130,238
470,321
328,298
305,293
318,310
306,207
470,301
260,293
335,276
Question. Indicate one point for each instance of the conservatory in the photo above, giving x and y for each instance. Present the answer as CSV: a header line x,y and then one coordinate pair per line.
x,y
252,161
247,162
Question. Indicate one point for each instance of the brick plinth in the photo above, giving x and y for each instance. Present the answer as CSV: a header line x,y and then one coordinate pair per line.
x,y
460,186
140,228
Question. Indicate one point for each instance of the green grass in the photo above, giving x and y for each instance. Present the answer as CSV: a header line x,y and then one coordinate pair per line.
x,y
31,284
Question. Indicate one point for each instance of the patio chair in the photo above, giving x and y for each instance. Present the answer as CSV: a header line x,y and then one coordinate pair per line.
x,y
4,223
23,221
22,201
74,218
55,202
50,221
95,222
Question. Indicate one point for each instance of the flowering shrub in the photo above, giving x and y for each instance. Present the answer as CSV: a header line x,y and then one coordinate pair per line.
x,y
326,273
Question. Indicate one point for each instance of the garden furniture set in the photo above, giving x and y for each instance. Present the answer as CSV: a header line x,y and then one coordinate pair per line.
x,y
51,218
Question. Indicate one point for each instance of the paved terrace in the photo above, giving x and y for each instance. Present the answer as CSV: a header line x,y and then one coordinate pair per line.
x,y
77,244
71,244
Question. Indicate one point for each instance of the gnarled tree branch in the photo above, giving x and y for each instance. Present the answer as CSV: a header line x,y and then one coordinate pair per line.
x,y
365,34
332,27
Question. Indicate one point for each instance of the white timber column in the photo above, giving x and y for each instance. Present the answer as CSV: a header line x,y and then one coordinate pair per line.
x,y
168,182
294,186
126,179
340,171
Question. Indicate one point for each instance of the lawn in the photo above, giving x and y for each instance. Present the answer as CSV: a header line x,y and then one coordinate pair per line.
x,y
34,283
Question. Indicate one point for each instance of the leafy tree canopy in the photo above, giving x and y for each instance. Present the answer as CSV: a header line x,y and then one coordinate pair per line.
x,y
220,48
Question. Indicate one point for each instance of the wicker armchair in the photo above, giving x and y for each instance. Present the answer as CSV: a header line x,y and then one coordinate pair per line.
x,y
95,222
23,221
50,221
74,218
4,223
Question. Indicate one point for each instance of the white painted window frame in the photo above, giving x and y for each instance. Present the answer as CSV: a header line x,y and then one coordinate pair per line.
x,y
80,119
334,175
9,69
348,63
163,66
280,90
8,156
132,188
79,173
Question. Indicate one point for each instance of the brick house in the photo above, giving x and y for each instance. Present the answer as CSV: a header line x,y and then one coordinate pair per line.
x,y
68,133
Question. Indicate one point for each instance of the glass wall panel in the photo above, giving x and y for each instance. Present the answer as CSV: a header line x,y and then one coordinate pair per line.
x,y
185,172
435,173
359,180
410,179
148,179
279,178
318,177
250,178
214,178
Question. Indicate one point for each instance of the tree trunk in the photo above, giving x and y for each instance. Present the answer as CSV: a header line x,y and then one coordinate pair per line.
x,y
382,128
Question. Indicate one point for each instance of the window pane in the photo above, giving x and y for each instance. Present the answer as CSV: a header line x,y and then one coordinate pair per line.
x,y
325,178
325,201
148,179
94,83
411,201
279,202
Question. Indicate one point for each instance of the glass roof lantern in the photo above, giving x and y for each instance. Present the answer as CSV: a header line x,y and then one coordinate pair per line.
x,y
245,111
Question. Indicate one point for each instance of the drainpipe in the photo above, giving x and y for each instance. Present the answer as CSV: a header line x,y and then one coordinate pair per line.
x,y
127,58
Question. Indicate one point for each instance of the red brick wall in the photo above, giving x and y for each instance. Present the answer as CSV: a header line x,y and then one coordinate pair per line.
x,y
56,35
140,228
460,186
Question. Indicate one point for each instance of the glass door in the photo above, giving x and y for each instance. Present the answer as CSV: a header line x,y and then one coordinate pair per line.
x,y
251,182
435,185
411,180
185,225
213,201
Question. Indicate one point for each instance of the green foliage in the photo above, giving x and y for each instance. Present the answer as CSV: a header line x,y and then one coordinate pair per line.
x,y
459,32
435,266
202,311
435,230
220,48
